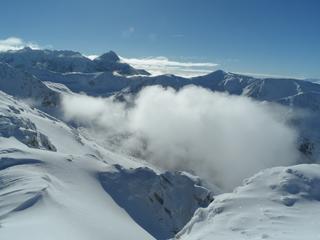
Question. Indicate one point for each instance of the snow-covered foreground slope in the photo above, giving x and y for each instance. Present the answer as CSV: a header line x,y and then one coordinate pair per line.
x,y
55,184
54,194
161,204
59,199
277,203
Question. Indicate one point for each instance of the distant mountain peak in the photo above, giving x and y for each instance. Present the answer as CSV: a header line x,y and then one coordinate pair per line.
x,y
27,49
218,74
110,56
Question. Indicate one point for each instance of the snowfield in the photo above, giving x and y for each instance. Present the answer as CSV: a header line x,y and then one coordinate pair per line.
x,y
59,181
277,203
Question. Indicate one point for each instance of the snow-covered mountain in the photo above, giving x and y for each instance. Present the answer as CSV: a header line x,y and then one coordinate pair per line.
x,y
66,61
58,183
277,203
107,75
110,62
96,77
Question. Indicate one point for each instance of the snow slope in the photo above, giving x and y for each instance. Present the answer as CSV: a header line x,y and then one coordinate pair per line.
x,y
54,194
54,184
277,203
160,203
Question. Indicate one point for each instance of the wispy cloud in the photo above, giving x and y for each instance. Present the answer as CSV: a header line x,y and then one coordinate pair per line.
x,y
178,35
14,43
162,65
267,75
128,32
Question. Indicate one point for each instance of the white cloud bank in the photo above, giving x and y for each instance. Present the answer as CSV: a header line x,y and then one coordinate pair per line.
x,y
91,56
220,138
14,43
162,65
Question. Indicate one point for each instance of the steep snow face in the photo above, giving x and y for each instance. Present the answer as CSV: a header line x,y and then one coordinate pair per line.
x,y
161,203
24,85
55,184
277,203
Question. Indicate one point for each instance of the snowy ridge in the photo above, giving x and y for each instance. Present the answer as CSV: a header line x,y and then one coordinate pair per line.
x,y
273,204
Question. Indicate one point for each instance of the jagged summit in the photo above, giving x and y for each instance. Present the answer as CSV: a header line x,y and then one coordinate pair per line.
x,y
110,62
110,56
218,73
26,49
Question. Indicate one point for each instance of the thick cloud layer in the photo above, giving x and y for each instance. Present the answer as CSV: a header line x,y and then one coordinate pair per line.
x,y
219,137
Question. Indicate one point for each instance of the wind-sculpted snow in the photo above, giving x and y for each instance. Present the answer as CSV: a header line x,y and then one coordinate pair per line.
x,y
10,162
277,203
21,185
160,203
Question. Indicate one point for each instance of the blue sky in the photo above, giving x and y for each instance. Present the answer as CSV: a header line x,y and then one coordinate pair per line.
x,y
276,37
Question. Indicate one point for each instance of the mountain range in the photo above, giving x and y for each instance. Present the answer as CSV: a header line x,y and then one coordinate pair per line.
x,y
58,183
